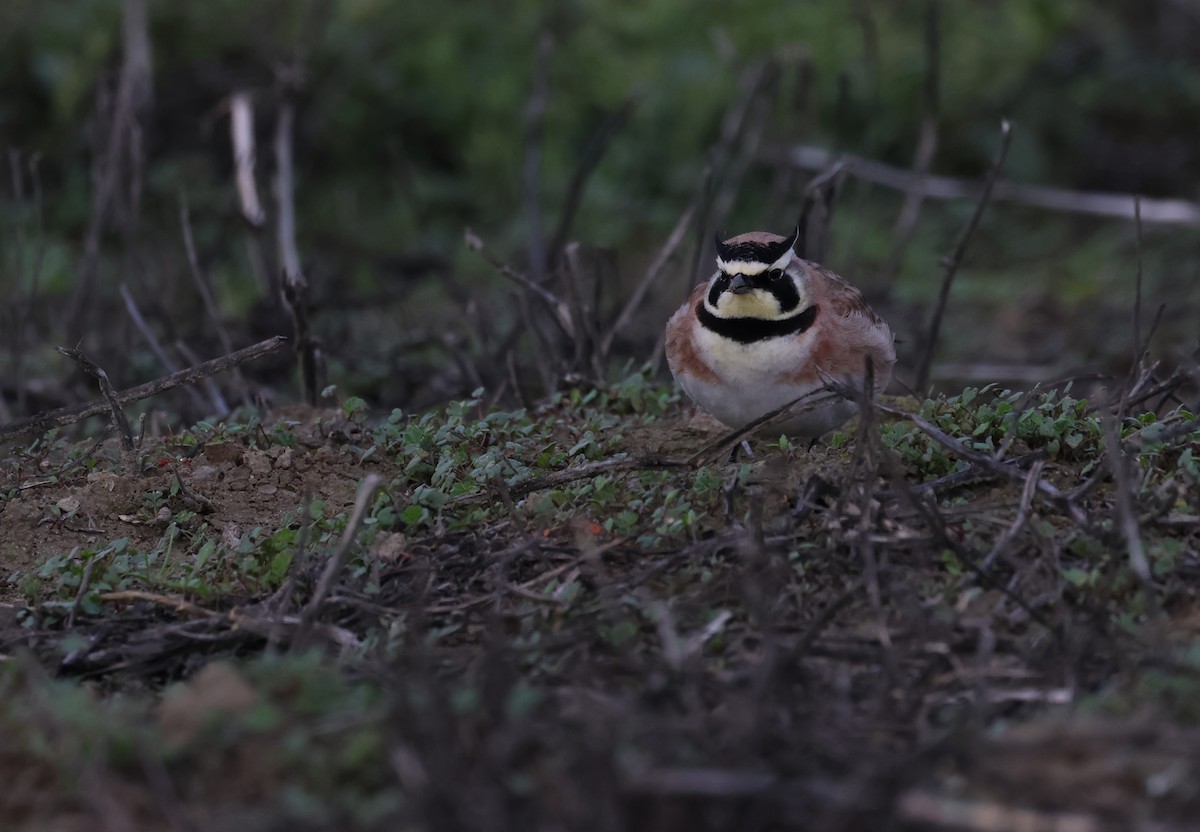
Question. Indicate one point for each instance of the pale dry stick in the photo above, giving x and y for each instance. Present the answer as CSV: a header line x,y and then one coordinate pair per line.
x,y
1139,349
702,783
135,314
366,490
285,192
476,243
43,422
927,142
85,583
241,131
134,88
206,295
579,472
582,307
703,202
53,478
1093,203
720,154
928,810
933,517
214,392
814,191
174,602
592,153
754,126
809,401
1022,518
649,278
1127,512
295,285
531,167
119,419
559,310
23,310
960,249
1005,469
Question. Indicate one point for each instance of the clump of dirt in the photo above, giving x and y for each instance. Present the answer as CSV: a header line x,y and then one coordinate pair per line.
x,y
234,485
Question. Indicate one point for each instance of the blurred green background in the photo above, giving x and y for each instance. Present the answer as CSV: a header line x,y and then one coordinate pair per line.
x,y
413,121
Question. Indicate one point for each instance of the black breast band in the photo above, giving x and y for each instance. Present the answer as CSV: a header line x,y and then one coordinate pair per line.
x,y
749,330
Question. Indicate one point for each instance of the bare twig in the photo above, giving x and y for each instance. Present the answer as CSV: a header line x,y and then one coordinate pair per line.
x,y
910,211
119,419
366,490
206,295
1023,513
241,131
820,191
285,198
580,275
928,810
578,472
156,347
476,243
588,160
119,152
174,602
219,404
809,401
955,259
531,169
1139,349
1126,511
1093,203
559,311
763,78
76,413
656,268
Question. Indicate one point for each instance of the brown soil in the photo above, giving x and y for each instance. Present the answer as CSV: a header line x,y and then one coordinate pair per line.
x,y
234,485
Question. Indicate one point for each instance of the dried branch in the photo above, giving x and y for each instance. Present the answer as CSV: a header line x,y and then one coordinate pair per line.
x,y
241,131
366,490
579,472
156,347
592,153
1022,518
655,270
955,259
476,243
119,419
927,142
285,196
206,295
1126,511
220,406
1139,349
119,156
77,413
1093,203
531,168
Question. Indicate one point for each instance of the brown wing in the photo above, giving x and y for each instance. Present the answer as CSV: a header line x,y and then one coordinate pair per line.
x,y
843,299
851,333
683,357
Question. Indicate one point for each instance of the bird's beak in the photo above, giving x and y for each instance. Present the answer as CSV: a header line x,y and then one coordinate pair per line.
x,y
739,286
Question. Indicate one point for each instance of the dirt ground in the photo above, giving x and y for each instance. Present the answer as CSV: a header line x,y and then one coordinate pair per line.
x,y
865,684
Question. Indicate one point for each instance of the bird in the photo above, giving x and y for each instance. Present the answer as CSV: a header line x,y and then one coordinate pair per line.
x,y
769,328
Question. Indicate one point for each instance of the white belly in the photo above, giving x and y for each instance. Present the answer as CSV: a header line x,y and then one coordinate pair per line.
x,y
750,386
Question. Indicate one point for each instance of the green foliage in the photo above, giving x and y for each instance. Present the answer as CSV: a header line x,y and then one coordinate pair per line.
x,y
984,419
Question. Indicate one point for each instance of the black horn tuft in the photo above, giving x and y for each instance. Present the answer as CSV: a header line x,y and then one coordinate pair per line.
x,y
754,252
723,251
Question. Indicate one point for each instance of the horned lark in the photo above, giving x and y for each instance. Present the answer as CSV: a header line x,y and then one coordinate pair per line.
x,y
769,328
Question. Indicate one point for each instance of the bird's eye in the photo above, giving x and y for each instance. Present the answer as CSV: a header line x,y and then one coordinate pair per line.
x,y
775,274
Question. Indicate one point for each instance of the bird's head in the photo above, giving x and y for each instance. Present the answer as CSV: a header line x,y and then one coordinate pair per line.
x,y
759,277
